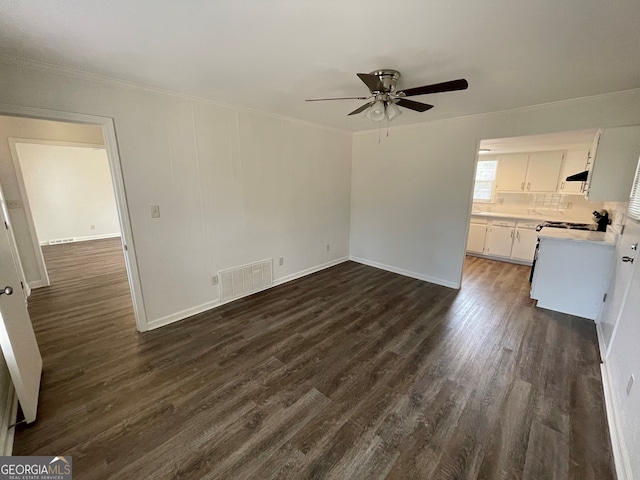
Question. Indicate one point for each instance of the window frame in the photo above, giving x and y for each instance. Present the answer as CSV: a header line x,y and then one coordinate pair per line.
x,y
492,182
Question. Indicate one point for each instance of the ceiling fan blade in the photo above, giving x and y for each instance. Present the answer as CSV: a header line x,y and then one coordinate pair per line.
x,y
413,105
450,86
338,98
361,109
371,81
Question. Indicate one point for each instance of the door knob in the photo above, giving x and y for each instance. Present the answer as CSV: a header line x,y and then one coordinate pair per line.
x,y
627,259
6,290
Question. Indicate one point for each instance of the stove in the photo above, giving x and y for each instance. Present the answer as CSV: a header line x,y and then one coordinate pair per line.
x,y
568,225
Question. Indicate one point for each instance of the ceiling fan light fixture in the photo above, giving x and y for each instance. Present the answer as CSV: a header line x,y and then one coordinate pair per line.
x,y
377,111
393,111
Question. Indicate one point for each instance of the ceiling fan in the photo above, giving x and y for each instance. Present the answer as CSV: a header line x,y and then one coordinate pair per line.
x,y
385,99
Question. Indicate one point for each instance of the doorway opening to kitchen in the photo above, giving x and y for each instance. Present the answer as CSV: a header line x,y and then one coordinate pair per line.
x,y
521,183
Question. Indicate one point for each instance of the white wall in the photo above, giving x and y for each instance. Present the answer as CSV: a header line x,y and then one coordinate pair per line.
x,y
622,362
26,128
411,193
69,190
233,186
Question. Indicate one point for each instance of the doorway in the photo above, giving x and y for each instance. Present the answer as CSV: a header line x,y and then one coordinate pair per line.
x,y
103,148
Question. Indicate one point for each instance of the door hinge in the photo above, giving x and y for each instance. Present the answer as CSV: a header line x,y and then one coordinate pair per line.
x,y
6,225
604,298
622,229
125,248
22,285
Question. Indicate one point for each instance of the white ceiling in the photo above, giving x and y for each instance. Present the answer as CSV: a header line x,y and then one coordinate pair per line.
x,y
271,55
575,140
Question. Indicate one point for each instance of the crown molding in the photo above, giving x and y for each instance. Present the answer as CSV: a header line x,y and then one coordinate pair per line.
x,y
116,82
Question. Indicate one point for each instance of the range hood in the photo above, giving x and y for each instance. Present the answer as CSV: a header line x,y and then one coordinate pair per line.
x,y
578,177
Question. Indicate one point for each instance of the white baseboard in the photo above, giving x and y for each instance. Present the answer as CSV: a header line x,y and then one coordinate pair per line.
x,y
189,312
9,416
407,273
85,239
181,315
500,259
309,271
618,445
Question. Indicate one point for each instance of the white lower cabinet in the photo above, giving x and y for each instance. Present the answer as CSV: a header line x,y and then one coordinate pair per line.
x,y
477,234
500,239
571,277
503,239
524,243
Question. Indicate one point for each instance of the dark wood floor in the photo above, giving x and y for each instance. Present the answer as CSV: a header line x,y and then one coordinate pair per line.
x,y
350,373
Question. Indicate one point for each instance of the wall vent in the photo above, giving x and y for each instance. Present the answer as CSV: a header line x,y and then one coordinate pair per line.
x,y
61,240
243,280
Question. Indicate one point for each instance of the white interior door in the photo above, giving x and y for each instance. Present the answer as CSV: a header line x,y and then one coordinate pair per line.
x,y
620,280
17,340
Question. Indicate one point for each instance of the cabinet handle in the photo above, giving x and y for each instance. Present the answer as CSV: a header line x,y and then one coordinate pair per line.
x,y
511,233
562,186
522,186
518,235
529,186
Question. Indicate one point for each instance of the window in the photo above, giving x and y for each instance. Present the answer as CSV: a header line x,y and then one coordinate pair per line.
x,y
485,180
634,202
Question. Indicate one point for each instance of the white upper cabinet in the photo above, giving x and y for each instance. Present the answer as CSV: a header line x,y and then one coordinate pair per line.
x,y
543,171
512,172
529,172
614,164
575,161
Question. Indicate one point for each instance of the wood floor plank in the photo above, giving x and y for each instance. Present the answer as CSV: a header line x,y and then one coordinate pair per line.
x,y
352,372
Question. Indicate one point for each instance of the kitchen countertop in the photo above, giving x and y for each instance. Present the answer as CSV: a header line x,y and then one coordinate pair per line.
x,y
585,236
538,217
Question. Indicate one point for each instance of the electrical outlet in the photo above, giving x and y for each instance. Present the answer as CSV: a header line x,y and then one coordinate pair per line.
x,y
155,211
13,203
214,280
328,247
281,261
630,384
569,205
92,226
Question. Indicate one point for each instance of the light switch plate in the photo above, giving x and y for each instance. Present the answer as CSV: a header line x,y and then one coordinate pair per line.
x,y
155,211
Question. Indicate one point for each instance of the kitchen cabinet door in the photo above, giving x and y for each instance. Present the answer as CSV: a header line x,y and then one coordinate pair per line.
x,y
524,244
543,171
475,241
575,161
614,164
500,240
512,172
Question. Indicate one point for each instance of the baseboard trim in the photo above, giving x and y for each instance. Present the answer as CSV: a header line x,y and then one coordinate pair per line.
x,y
190,312
9,417
37,284
500,259
406,273
86,239
618,445
309,271
182,314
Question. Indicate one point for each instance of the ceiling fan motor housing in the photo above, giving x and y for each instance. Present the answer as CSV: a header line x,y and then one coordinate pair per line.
x,y
388,79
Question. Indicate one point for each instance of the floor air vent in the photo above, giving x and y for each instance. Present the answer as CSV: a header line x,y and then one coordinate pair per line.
x,y
61,240
240,281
